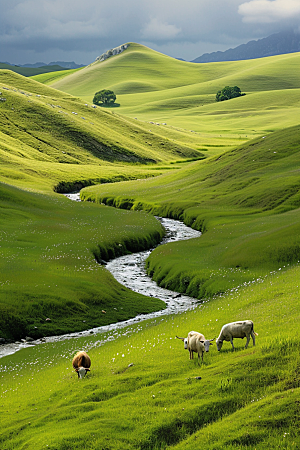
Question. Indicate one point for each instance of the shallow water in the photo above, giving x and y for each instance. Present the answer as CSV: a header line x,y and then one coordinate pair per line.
x,y
129,270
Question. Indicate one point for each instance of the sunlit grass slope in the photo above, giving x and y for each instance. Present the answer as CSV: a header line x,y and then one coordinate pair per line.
x,y
51,140
245,201
49,248
51,77
154,87
143,392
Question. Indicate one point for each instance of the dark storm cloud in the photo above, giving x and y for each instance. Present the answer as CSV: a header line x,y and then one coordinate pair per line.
x,y
32,30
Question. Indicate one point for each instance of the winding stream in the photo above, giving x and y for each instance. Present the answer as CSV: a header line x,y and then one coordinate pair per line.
x,y
129,270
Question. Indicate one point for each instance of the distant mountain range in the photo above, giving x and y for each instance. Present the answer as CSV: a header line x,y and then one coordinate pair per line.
x,y
66,65
31,71
276,44
62,64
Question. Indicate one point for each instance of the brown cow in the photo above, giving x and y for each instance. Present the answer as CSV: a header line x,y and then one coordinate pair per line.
x,y
81,363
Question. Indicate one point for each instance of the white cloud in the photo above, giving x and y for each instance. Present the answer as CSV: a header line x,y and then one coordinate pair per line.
x,y
158,30
269,11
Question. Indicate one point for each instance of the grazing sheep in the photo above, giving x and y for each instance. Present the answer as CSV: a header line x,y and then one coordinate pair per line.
x,y
236,330
196,342
81,363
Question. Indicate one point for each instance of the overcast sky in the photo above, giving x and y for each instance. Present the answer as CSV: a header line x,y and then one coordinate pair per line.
x,y
81,30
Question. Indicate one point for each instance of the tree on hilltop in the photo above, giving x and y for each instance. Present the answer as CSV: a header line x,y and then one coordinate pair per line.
x,y
105,97
228,92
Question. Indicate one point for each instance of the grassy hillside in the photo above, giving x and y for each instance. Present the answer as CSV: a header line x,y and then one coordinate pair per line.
x,y
49,248
51,140
51,77
154,87
246,203
143,392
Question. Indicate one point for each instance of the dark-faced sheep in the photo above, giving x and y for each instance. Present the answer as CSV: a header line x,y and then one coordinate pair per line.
x,y
81,363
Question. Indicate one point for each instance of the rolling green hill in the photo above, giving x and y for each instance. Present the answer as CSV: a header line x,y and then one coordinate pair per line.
x,y
245,201
50,77
51,140
154,87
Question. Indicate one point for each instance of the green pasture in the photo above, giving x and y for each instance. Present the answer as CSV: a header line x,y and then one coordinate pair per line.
x,y
154,87
143,391
246,203
51,265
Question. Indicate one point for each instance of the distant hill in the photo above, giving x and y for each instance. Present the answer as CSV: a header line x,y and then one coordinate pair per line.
x,y
276,44
63,64
31,71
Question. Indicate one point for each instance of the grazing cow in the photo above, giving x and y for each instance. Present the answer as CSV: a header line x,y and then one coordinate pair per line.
x,y
81,363
196,342
236,330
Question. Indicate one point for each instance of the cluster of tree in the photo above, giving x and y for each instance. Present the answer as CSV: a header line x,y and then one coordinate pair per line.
x,y
228,92
104,97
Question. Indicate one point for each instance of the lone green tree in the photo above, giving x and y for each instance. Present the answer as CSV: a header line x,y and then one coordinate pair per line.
x,y
228,92
105,97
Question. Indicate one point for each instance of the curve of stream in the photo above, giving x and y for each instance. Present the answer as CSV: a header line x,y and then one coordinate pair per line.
x,y
129,270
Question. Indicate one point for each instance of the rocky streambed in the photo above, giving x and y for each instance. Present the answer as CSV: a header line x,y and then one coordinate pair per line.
x,y
129,270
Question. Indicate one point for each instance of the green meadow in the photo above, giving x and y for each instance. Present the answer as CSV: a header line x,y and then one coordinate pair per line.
x,y
229,169
143,391
51,264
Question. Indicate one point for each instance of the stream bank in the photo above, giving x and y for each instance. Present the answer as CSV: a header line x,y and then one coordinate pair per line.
x,y
129,270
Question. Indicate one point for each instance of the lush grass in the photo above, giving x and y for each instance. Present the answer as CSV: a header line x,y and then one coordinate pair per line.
x,y
245,400
154,87
51,140
246,203
49,249
50,77
245,200
69,147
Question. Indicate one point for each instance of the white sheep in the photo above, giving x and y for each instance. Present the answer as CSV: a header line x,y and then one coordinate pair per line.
x,y
196,343
236,330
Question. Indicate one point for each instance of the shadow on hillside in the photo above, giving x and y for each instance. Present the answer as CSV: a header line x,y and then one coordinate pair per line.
x,y
114,105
